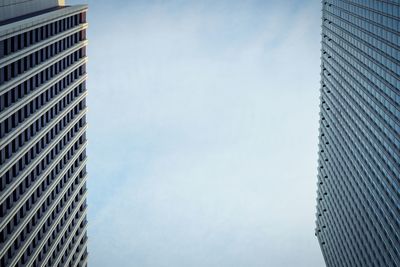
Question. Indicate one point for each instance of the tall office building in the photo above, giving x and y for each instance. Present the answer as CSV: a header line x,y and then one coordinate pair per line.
x,y
42,130
358,203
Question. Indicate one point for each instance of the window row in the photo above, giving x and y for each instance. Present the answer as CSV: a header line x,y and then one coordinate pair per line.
x,y
19,140
35,149
344,193
367,95
59,216
363,149
386,14
381,37
34,177
77,218
26,39
372,45
343,155
36,58
45,245
66,249
8,124
41,192
24,88
77,251
366,118
41,187
50,135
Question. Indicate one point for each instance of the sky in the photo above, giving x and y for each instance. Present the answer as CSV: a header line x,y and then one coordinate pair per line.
x,y
203,130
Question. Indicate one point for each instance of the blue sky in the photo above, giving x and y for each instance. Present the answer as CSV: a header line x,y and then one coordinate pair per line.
x,y
203,127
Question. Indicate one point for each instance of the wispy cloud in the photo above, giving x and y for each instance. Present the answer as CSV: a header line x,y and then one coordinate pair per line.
x,y
203,130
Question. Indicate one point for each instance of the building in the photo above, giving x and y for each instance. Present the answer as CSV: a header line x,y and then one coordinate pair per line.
x,y
42,133
358,203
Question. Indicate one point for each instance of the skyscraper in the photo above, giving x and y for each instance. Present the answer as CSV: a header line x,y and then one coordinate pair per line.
x,y
42,131
358,203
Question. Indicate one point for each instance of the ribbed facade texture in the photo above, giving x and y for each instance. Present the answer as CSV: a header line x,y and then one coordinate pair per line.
x,y
42,131
358,203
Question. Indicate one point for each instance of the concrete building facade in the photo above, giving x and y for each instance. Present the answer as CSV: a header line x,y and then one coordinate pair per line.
x,y
42,133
